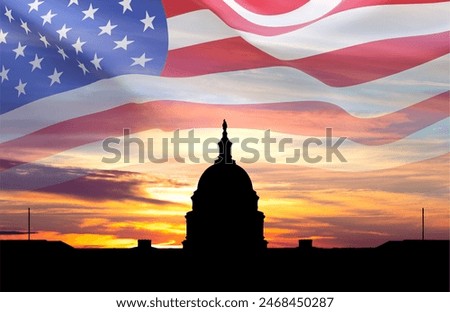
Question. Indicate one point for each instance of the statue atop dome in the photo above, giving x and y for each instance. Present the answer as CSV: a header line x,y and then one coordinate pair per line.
x,y
224,147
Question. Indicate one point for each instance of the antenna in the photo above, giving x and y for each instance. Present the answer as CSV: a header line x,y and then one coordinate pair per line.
x,y
423,223
29,221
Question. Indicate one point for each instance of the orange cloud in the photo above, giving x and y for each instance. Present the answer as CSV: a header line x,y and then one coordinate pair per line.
x,y
336,209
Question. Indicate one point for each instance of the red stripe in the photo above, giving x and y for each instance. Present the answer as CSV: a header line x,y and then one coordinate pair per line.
x,y
268,7
179,7
340,68
351,4
306,118
236,21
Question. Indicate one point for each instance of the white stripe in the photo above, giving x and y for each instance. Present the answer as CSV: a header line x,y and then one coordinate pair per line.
x,y
309,11
425,144
189,29
335,32
266,85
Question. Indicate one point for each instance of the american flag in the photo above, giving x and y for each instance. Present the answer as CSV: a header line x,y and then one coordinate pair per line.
x,y
74,72
375,71
51,46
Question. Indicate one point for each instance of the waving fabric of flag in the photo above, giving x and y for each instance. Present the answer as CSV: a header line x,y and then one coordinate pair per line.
x,y
76,72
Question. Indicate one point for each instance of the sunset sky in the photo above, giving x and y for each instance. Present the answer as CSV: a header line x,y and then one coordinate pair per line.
x,y
374,73
115,207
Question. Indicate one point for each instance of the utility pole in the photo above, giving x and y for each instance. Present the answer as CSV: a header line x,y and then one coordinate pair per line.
x,y
423,223
29,223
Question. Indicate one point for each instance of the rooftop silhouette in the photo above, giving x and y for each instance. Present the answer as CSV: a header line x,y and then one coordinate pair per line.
x,y
224,250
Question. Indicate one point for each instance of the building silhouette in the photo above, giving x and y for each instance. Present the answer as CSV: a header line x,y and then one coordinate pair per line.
x,y
225,219
225,250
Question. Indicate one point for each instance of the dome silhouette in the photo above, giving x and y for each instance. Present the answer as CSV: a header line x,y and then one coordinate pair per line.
x,y
225,187
219,178
224,214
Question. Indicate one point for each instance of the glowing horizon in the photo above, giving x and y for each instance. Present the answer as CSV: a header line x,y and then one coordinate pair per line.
x,y
152,206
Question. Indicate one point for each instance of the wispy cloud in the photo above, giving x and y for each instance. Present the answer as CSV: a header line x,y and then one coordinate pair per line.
x,y
335,209
15,232
94,185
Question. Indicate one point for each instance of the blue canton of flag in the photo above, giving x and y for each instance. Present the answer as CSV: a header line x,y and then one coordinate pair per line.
x,y
49,47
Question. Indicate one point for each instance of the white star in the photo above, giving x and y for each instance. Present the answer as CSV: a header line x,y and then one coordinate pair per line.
x,y
126,5
72,2
20,88
148,21
107,28
123,43
19,50
55,77
83,68
89,13
63,32
8,14
36,62
44,40
35,5
140,60
4,73
96,61
3,36
77,45
24,25
63,54
48,17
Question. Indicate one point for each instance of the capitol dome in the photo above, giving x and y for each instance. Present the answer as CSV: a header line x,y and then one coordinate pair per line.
x,y
224,214
230,178
225,187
